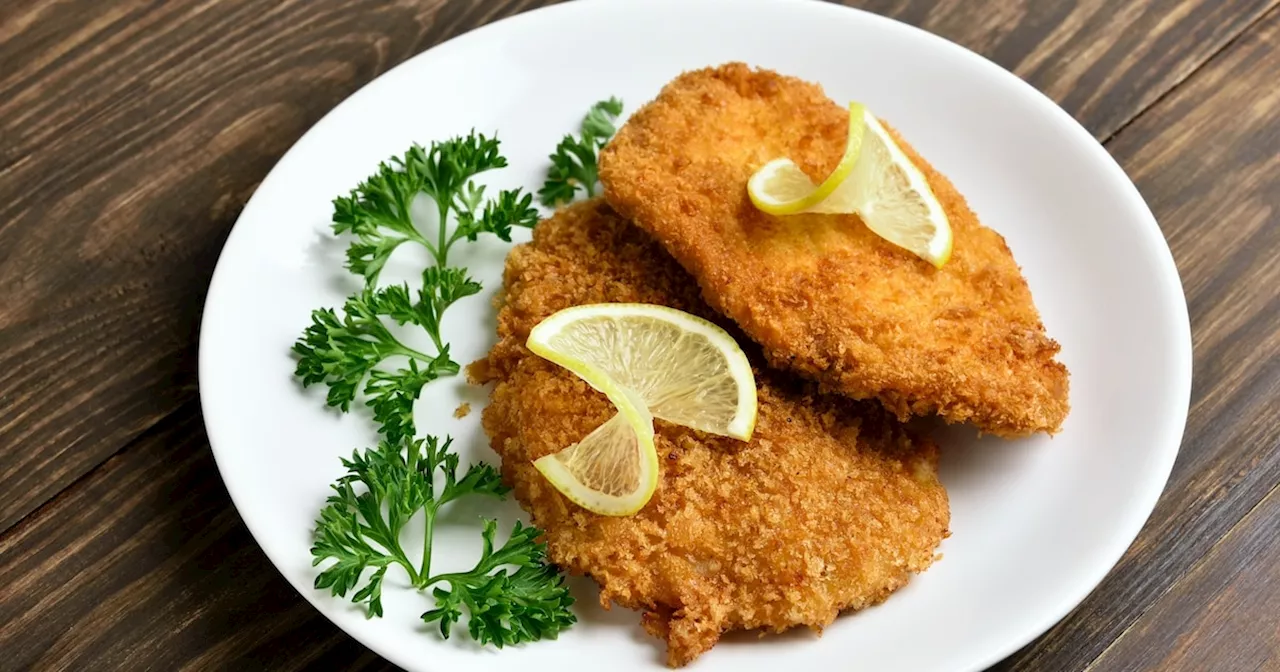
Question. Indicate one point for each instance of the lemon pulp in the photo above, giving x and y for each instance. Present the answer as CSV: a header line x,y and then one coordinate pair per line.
x,y
650,361
875,180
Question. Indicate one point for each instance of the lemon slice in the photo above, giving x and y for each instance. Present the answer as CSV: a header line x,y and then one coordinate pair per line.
x,y
781,188
650,361
613,470
883,187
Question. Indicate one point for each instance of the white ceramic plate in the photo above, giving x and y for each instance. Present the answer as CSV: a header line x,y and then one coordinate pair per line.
x,y
1036,523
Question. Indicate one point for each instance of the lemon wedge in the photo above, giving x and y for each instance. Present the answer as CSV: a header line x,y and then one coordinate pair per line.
x,y
874,180
613,470
650,361
781,188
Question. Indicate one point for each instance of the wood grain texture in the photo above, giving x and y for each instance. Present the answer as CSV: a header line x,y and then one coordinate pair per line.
x,y
1207,159
1103,61
145,565
133,131
1225,615
131,134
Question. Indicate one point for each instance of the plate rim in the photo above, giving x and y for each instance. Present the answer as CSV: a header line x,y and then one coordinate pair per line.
x,y
1173,432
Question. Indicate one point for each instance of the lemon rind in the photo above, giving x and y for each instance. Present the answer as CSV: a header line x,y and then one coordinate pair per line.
x,y
641,423
632,409
939,251
853,148
744,420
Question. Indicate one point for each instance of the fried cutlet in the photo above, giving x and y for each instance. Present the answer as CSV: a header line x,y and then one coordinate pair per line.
x,y
831,506
823,294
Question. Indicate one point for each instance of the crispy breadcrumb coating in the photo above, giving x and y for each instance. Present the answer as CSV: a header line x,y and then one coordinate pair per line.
x,y
823,294
831,506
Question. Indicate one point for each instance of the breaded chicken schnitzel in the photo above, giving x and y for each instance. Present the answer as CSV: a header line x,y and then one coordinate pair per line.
x,y
832,505
822,294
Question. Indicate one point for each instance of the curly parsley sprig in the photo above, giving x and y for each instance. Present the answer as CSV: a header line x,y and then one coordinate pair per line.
x,y
573,164
503,607
344,352
512,595
378,211
361,525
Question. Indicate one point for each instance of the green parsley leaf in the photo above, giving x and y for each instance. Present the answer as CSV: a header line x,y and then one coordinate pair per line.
x,y
505,607
511,208
378,211
512,595
342,352
449,166
377,214
441,288
362,522
392,394
598,123
573,164
353,529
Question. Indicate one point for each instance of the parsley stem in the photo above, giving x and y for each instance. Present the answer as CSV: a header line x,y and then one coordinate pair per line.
x,y
435,338
416,236
422,580
414,576
442,248
379,530
410,352
456,578
420,239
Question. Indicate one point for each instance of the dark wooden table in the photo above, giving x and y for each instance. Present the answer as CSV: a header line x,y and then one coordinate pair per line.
x,y
133,131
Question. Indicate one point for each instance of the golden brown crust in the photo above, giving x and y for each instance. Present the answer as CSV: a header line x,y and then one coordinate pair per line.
x,y
821,293
831,506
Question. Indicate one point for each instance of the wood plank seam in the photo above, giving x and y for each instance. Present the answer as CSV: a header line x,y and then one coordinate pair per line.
x,y
216,193
468,13
1274,7
34,514
1203,557
56,499
1226,44
1191,570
